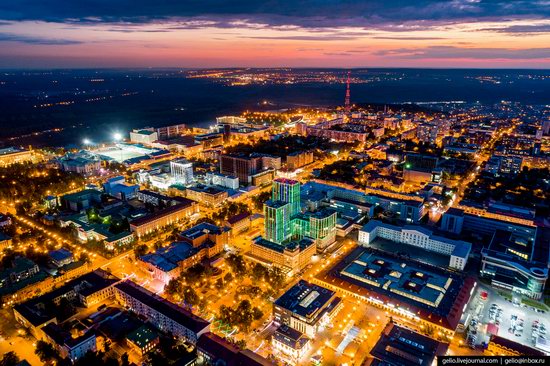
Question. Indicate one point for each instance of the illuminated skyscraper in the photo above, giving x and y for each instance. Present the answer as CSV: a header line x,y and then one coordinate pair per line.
x,y
277,221
287,190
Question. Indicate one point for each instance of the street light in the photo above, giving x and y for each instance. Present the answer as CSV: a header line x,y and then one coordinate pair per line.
x,y
117,136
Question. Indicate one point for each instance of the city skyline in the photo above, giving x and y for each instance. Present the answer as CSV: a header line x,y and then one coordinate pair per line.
x,y
449,34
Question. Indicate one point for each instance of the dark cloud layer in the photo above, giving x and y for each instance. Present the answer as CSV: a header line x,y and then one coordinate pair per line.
x,y
8,37
369,14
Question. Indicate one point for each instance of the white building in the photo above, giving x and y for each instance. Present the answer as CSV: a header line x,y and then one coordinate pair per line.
x,y
223,180
457,250
182,171
144,136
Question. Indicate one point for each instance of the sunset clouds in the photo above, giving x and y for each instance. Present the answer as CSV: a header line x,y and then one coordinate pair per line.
x,y
138,33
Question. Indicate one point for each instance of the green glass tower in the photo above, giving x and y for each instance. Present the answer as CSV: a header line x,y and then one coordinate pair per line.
x,y
277,221
287,190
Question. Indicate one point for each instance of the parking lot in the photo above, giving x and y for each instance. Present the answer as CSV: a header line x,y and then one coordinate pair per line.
x,y
506,318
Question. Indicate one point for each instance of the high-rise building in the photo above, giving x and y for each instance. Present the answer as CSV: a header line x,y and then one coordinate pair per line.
x,y
182,171
287,190
277,221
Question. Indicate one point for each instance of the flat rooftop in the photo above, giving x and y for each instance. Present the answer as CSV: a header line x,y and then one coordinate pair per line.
x,y
405,279
428,292
401,346
305,299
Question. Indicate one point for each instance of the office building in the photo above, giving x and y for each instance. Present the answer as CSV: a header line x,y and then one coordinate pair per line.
x,y
458,251
318,225
117,187
287,190
516,264
307,308
181,171
484,222
161,313
277,221
500,346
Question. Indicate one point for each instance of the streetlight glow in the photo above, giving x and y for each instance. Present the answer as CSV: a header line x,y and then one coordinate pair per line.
x,y
117,136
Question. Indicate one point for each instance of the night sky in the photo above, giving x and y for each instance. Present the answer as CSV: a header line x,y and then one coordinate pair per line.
x,y
215,33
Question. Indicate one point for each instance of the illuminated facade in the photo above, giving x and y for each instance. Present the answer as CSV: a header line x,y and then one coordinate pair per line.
x,y
277,221
287,190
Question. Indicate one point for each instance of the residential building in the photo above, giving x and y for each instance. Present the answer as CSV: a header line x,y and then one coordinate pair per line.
x,y
483,222
68,346
214,350
299,159
161,313
84,291
5,241
21,269
144,339
167,132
